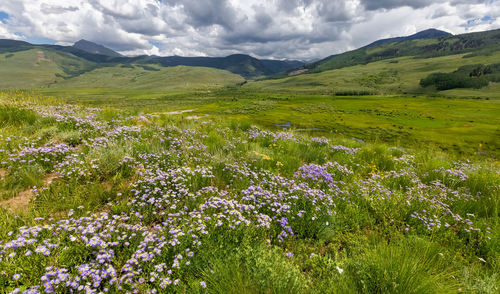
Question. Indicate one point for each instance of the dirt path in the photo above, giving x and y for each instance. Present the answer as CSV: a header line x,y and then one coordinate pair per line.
x,y
22,200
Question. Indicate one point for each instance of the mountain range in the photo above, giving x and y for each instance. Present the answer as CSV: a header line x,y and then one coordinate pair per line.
x,y
29,65
241,64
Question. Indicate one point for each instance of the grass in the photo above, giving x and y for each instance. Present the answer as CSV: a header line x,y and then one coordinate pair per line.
x,y
152,77
44,68
468,127
370,185
393,76
151,201
27,69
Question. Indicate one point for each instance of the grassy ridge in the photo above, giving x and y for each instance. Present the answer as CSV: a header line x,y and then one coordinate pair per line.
x,y
42,68
156,202
395,76
27,69
474,44
152,77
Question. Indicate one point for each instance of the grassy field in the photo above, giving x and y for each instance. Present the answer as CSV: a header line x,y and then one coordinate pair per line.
x,y
460,121
108,199
467,127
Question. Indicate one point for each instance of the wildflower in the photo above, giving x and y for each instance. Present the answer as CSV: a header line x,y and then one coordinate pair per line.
x,y
16,277
340,270
203,284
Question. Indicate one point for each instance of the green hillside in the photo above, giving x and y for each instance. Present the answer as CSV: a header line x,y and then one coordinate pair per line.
x,y
476,44
43,68
151,77
26,69
100,56
393,76
39,67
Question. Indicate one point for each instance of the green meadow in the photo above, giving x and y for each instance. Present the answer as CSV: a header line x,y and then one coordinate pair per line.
x,y
134,197
137,178
465,127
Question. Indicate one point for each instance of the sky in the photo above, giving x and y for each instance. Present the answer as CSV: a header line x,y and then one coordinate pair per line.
x,y
276,29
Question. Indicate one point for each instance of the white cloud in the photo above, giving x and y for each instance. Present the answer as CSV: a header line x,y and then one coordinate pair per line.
x,y
5,34
278,28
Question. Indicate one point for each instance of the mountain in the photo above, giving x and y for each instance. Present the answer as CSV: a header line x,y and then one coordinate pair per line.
x,y
425,44
93,56
466,65
427,34
95,48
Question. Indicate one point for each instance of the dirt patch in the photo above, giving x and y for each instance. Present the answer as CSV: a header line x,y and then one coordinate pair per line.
x,y
22,200
41,57
18,203
47,180
297,72
3,173
195,117
174,112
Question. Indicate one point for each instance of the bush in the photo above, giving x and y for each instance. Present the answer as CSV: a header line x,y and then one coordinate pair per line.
x,y
469,76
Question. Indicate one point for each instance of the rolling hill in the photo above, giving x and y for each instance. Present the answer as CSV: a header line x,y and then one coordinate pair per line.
x,y
151,77
44,68
99,56
398,65
425,44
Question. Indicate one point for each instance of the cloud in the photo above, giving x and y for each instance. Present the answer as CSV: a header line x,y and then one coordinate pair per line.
x,y
5,34
54,9
389,4
302,29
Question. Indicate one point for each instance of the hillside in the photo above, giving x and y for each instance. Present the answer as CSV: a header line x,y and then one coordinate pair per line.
x,y
95,48
427,34
151,77
100,56
398,65
39,67
481,43
400,75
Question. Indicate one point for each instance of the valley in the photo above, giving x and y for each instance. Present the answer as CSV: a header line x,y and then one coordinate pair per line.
x,y
234,174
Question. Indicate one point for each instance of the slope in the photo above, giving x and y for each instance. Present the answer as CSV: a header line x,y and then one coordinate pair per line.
x,y
427,34
393,76
481,43
95,48
38,67
151,77
241,64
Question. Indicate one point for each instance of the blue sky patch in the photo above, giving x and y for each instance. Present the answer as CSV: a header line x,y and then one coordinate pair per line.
x,y
3,16
40,40
488,18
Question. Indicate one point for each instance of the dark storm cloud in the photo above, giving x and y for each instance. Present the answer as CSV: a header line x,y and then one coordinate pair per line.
x,y
202,13
290,5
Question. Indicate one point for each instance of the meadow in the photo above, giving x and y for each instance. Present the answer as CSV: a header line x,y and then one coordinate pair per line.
x,y
467,127
126,195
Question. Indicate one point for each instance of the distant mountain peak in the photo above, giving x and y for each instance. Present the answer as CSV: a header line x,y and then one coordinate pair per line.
x,y
94,48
